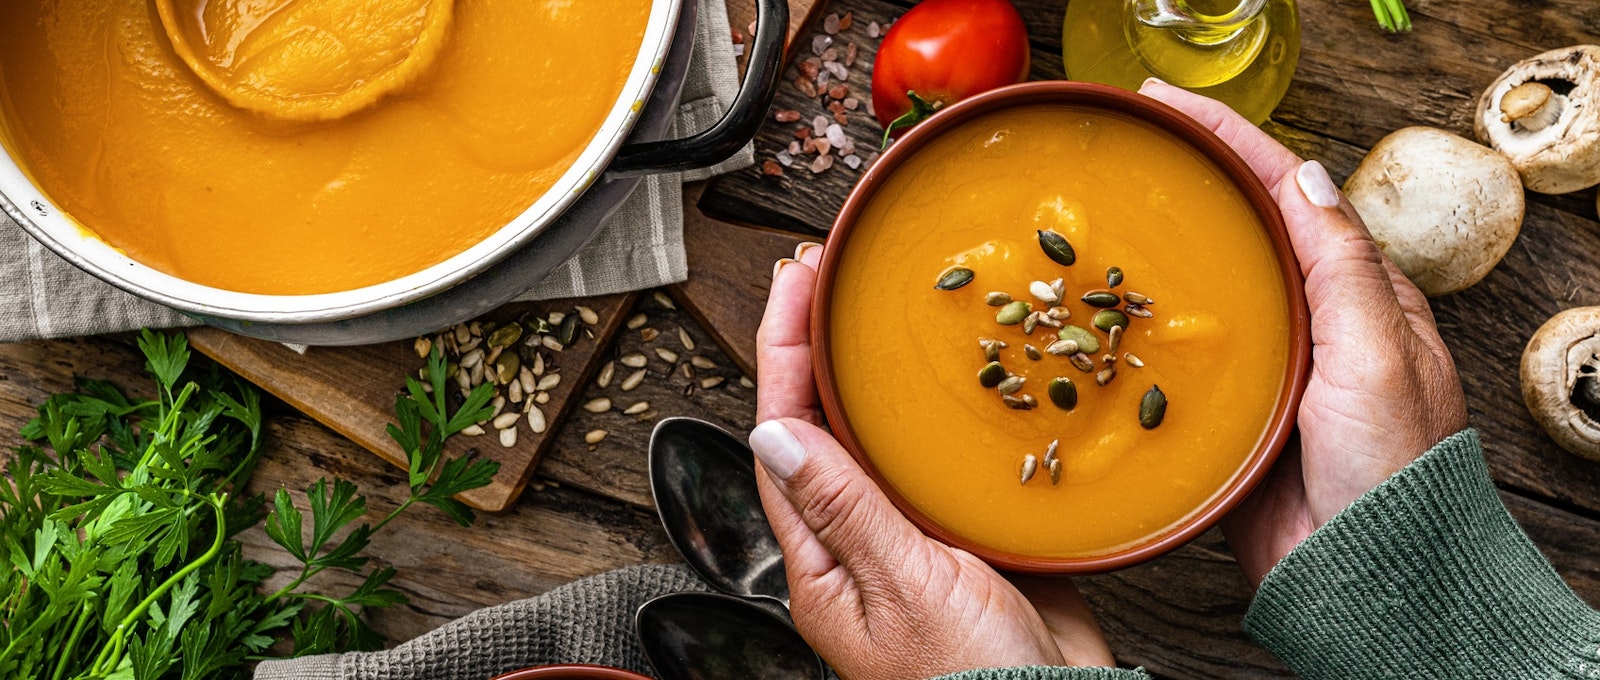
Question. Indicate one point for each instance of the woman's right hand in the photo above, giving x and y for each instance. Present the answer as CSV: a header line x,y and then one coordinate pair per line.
x,y
1383,387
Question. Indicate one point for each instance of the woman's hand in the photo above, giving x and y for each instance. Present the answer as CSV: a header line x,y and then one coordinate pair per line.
x,y
1383,388
872,594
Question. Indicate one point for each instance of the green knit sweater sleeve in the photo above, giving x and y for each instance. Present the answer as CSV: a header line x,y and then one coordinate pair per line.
x,y
1426,576
1050,673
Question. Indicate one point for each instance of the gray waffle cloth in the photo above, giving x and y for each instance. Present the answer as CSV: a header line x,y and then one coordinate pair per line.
x,y
589,621
42,296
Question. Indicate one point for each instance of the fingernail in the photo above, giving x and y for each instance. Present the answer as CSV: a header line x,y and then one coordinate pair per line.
x,y
777,449
779,265
1152,80
1317,185
800,251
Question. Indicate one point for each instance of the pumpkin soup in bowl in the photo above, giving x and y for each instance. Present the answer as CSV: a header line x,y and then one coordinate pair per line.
x,y
1062,326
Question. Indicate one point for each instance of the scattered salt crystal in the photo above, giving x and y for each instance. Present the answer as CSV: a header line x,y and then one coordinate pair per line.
x,y
837,69
788,160
848,147
830,25
873,30
851,160
794,148
820,43
819,126
835,135
810,67
824,146
807,88
850,55
830,54
846,21
738,50
786,116
852,103
823,78
821,163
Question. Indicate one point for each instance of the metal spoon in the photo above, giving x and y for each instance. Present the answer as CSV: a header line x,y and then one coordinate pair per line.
x,y
710,636
704,483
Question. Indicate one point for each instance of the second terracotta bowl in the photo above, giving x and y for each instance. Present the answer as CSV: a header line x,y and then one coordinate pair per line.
x,y
1188,131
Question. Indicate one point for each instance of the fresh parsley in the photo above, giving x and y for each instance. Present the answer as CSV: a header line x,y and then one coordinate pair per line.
x,y
118,520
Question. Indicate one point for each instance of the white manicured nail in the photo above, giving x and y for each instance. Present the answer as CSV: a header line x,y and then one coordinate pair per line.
x,y
777,448
1317,185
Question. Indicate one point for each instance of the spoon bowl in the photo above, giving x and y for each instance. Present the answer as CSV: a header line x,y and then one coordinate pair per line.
x,y
704,483
711,636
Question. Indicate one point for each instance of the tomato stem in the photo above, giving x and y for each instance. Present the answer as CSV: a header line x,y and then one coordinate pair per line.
x,y
920,110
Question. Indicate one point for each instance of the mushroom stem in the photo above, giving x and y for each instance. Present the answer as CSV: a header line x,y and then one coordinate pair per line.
x,y
1530,107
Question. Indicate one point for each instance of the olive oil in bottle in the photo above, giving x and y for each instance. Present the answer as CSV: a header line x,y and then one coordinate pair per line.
x,y
1242,52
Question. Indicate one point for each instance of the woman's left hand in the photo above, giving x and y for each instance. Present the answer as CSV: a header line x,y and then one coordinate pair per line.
x,y
870,592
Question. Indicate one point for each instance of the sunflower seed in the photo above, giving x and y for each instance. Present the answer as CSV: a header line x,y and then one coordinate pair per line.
x,y
711,382
1030,465
1044,293
508,437
991,349
997,299
1057,248
702,362
551,343
1082,362
633,380
953,278
1045,320
472,431
1152,408
1011,385
1059,313
1030,322
649,334
548,382
527,380
536,420
607,372
992,374
555,318
1137,299
662,299
635,360
1032,352
514,391
1014,402
1059,287
1115,339
746,382
463,333
637,320
1139,311
599,405
1030,401
1055,472
1105,376
1108,359
472,359
1133,360
588,315
637,408
1062,348
538,364
685,340
1050,452
667,355
1063,393
541,398
423,346
506,420
593,437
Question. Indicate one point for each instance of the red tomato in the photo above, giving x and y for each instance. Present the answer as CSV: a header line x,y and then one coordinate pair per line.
x,y
946,51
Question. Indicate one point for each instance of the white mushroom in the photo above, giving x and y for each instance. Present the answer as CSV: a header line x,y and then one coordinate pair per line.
x,y
1560,383
1544,115
1444,209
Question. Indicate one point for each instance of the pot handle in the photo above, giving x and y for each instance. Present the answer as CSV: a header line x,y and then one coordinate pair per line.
x,y
738,125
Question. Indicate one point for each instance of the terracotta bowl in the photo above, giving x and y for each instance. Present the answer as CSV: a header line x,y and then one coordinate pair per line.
x,y
572,672
1186,130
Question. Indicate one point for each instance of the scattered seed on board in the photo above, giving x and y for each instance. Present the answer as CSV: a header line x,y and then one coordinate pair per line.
x,y
702,362
637,408
662,299
542,398
598,405
746,382
648,334
711,382
667,355
607,372
536,420
550,343
472,431
508,437
514,391
638,320
471,359
588,315
997,299
528,381
1030,465
549,382
635,360
538,364
685,340
423,346
555,318
506,420
686,370
593,437
1133,360
633,380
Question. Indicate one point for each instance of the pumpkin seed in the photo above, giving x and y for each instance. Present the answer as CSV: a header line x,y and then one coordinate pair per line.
x,y
1055,472
1133,360
1082,362
1105,376
1137,299
1057,248
1152,408
953,278
1044,292
1115,339
1139,311
1106,319
568,332
1013,313
505,370
1113,277
991,374
1062,348
685,339
1101,298
1011,385
1032,352
1087,342
536,324
1064,394
1030,465
506,335
994,299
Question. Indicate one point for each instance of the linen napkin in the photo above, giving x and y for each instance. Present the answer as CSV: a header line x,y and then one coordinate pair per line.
x,y
42,296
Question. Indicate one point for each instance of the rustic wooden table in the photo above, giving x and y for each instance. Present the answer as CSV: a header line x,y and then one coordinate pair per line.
x,y
589,511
